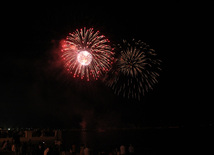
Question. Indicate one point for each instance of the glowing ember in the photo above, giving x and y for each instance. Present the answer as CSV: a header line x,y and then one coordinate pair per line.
x,y
84,58
137,70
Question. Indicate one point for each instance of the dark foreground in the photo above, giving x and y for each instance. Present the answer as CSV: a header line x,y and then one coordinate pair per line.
x,y
176,140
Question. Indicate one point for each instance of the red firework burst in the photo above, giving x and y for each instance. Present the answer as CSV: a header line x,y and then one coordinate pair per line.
x,y
87,54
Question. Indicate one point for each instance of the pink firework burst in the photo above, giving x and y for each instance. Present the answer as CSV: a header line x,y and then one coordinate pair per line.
x,y
87,54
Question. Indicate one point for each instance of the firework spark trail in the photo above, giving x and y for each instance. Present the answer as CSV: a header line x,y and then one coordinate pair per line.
x,y
87,54
135,71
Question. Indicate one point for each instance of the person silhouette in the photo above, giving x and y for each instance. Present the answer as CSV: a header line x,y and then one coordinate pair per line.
x,y
122,150
131,149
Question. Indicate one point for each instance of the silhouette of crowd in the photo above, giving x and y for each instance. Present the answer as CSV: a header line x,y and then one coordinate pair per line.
x,y
57,148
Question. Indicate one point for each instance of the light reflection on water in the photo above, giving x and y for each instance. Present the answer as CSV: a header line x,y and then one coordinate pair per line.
x,y
83,135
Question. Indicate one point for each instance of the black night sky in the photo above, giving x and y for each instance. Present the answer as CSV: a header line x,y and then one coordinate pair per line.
x,y
36,93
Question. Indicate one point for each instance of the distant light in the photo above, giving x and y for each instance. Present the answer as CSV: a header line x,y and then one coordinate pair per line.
x,y
8,129
84,58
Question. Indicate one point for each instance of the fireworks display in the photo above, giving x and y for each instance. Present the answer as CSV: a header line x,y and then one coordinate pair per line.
x,y
87,54
135,70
